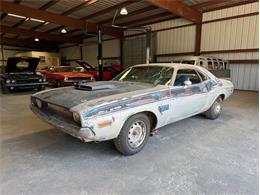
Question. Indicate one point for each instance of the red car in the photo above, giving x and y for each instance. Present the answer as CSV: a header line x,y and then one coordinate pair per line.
x,y
109,72
65,75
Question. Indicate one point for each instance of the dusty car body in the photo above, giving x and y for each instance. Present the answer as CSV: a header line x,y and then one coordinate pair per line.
x,y
65,75
20,73
103,110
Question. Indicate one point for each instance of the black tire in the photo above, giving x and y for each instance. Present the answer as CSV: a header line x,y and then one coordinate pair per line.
x,y
215,110
58,83
122,142
40,88
4,89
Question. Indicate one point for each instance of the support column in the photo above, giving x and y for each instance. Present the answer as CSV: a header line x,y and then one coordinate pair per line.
x,y
121,51
100,57
148,45
81,53
198,39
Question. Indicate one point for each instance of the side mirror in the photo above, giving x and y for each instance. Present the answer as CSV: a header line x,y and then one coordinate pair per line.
x,y
187,83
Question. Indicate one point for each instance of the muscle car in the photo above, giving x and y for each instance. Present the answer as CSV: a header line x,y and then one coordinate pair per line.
x,y
20,73
65,75
138,101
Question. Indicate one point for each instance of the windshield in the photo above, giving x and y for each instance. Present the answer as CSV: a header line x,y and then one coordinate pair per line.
x,y
156,75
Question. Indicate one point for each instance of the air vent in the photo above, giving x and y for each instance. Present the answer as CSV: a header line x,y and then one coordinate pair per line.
x,y
88,87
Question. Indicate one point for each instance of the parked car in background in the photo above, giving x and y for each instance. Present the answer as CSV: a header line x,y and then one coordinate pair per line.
x,y
218,67
20,73
65,75
109,72
135,103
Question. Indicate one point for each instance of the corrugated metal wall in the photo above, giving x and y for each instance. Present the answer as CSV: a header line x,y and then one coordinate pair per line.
x,y
237,33
111,48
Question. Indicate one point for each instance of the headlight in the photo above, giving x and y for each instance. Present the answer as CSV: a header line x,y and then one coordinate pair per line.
x,y
76,117
40,80
7,81
44,79
92,78
38,103
13,81
65,78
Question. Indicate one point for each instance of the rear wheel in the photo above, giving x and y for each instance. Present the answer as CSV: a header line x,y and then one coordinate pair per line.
x,y
215,110
134,135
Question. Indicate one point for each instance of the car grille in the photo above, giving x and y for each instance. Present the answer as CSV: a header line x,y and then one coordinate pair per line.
x,y
78,79
56,111
27,81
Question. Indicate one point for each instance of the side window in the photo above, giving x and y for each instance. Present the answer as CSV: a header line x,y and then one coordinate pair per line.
x,y
186,74
203,76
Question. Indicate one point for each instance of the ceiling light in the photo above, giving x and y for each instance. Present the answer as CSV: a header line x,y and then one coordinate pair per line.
x,y
36,39
17,16
36,20
123,11
63,31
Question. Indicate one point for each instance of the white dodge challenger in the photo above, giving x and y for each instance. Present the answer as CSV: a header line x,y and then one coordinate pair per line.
x,y
127,109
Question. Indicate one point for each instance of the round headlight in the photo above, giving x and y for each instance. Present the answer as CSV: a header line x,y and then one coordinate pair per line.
x,y
44,79
92,78
40,80
7,81
39,103
65,78
13,81
76,117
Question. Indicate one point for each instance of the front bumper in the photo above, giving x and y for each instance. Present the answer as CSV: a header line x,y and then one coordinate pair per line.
x,y
25,84
84,134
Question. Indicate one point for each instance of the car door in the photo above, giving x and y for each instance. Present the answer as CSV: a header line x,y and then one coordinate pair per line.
x,y
187,100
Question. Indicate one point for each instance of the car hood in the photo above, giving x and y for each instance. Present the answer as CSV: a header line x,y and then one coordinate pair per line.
x,y
69,97
12,62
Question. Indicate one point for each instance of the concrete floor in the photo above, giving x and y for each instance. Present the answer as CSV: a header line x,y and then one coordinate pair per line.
x,y
193,156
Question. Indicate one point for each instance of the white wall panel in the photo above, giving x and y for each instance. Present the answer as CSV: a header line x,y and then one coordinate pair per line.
x,y
239,33
245,76
233,11
176,40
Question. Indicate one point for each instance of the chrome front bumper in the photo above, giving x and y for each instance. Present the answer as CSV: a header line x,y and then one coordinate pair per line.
x,y
25,84
84,134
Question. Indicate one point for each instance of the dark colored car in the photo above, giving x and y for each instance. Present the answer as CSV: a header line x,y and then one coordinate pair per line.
x,y
20,73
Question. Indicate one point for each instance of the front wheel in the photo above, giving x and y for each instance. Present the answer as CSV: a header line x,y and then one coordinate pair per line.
x,y
134,135
215,110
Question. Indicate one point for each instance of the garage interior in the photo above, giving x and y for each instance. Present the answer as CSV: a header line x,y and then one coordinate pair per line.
x,y
192,156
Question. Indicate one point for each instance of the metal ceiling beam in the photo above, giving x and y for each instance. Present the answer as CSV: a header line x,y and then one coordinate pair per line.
x,y
109,9
28,43
156,16
55,18
5,14
36,34
178,8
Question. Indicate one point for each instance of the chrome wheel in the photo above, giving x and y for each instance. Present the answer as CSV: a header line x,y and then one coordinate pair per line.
x,y
136,134
218,107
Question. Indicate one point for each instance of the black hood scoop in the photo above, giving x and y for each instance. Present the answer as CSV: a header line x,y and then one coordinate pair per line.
x,y
95,86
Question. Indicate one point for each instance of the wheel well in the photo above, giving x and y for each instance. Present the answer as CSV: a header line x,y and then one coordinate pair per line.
x,y
222,96
153,119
